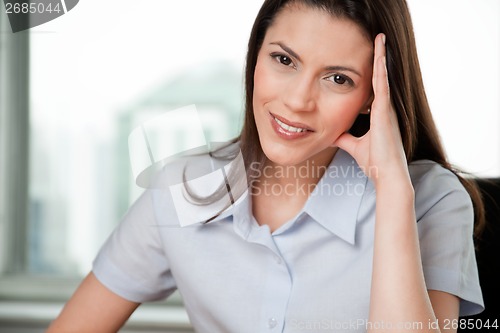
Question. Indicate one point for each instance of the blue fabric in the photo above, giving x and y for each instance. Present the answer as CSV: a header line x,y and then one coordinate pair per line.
x,y
311,274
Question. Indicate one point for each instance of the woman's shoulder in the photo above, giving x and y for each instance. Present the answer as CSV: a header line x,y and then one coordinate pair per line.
x,y
427,173
432,183
196,187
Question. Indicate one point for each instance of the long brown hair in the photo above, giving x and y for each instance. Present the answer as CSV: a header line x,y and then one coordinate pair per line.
x,y
391,17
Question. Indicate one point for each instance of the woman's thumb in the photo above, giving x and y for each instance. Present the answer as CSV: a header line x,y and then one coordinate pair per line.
x,y
347,142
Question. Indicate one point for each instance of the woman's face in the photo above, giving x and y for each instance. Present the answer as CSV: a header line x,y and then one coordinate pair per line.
x,y
312,79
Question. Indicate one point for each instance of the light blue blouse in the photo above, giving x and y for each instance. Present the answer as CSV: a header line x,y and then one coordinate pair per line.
x,y
311,274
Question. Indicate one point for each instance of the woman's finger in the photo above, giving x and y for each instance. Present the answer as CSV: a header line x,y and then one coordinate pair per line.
x,y
348,143
380,79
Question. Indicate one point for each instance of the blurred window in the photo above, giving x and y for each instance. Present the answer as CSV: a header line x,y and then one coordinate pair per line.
x,y
107,66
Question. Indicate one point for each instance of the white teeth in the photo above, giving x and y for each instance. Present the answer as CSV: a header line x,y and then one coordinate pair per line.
x,y
288,127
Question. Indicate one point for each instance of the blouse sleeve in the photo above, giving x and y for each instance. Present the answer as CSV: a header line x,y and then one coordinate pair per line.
x,y
445,220
132,263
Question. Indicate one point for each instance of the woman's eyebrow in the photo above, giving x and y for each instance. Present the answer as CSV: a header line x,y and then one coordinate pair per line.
x,y
328,68
286,49
343,69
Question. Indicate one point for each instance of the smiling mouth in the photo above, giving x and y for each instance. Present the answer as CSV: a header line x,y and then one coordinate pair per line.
x,y
290,128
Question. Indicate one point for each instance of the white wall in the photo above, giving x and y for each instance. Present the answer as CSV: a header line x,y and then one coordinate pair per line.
x,y
459,48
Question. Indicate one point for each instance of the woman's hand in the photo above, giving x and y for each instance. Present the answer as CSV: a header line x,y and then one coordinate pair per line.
x,y
380,151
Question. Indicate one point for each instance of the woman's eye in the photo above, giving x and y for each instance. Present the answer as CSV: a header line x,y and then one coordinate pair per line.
x,y
282,59
339,79
285,60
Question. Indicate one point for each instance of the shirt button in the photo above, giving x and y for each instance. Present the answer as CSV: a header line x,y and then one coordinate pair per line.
x,y
271,323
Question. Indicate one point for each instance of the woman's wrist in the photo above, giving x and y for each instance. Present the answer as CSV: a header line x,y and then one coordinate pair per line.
x,y
396,182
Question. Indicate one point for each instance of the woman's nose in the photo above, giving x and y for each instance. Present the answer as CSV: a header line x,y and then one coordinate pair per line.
x,y
299,93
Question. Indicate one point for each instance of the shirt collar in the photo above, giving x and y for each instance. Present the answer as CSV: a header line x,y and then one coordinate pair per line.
x,y
243,216
335,201
241,213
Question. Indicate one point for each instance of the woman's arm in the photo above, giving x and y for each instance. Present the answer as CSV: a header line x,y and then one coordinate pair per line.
x,y
446,307
93,308
399,298
399,294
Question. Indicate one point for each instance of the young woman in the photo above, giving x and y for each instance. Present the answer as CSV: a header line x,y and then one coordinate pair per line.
x,y
354,219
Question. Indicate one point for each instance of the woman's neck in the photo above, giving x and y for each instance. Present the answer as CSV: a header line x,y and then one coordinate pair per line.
x,y
293,180
282,191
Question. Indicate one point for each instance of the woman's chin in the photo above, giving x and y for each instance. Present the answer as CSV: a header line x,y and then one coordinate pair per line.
x,y
283,156
293,156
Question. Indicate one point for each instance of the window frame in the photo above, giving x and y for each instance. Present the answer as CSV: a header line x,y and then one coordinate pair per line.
x,y
40,297
14,147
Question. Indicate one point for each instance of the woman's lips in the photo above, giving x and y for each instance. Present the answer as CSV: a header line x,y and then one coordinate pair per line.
x,y
287,129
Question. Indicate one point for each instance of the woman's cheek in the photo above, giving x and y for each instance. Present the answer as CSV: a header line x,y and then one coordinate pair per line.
x,y
262,82
341,113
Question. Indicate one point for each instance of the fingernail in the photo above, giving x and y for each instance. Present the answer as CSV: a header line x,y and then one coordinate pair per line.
x,y
383,38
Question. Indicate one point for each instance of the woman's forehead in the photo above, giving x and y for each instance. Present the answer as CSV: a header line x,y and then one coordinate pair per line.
x,y
315,33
